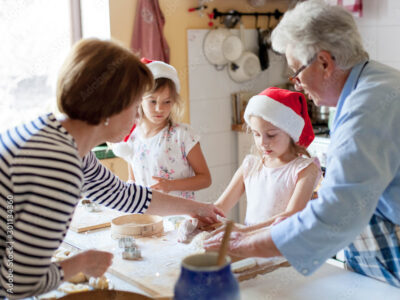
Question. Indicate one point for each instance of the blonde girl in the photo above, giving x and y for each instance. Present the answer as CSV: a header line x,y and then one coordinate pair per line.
x,y
280,180
162,153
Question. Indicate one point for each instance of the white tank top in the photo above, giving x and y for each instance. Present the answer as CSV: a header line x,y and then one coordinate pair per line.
x,y
268,190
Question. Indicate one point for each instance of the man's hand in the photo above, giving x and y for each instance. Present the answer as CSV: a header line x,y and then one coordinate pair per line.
x,y
246,244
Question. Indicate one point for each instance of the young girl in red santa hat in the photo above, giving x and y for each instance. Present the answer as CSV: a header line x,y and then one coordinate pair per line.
x,y
162,153
280,179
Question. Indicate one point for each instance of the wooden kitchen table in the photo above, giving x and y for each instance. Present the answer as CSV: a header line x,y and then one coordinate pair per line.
x,y
328,282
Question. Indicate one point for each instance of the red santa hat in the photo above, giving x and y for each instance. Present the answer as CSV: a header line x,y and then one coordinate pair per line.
x,y
284,109
160,69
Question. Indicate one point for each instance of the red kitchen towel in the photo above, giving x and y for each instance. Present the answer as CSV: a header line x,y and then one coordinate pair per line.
x,y
354,6
147,38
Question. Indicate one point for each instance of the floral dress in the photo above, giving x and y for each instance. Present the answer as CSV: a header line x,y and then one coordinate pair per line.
x,y
163,155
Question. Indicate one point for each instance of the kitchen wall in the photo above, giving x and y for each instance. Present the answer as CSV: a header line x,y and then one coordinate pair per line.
x,y
177,21
380,29
208,91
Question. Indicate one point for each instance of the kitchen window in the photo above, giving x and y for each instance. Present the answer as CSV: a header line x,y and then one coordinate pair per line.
x,y
36,37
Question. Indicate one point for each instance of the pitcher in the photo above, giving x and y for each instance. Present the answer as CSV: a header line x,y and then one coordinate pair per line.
x,y
201,278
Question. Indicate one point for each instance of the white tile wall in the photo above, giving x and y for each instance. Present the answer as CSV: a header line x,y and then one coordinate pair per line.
x,y
211,110
224,174
216,120
380,30
219,148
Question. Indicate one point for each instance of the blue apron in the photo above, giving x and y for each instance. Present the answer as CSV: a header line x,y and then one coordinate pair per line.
x,y
376,251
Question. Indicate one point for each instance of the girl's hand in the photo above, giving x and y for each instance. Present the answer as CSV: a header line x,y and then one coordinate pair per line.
x,y
206,213
162,184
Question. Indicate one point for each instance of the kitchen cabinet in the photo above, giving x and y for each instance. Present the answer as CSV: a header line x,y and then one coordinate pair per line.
x,y
117,165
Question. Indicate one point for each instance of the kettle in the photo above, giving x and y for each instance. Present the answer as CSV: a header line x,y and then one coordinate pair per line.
x,y
320,114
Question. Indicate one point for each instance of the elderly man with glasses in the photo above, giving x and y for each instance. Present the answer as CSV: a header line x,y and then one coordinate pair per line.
x,y
358,205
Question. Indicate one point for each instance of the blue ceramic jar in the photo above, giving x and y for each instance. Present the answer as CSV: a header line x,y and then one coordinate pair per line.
x,y
202,279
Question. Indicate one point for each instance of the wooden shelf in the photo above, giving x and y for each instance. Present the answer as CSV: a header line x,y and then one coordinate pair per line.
x,y
239,127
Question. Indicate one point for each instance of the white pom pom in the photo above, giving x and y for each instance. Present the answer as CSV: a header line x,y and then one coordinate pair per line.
x,y
122,149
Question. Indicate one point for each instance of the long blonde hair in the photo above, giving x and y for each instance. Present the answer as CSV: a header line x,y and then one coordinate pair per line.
x,y
177,107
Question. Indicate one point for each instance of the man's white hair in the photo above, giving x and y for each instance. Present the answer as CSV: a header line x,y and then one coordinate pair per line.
x,y
313,26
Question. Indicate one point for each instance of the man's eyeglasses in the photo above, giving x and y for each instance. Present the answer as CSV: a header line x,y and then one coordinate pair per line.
x,y
294,78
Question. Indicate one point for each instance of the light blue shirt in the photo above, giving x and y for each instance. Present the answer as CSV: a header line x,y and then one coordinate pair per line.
x,y
362,175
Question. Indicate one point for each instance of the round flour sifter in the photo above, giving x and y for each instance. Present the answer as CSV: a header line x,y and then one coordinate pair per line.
x,y
136,225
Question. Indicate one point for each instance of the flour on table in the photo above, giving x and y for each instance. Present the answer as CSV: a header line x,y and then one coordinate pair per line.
x,y
53,295
70,288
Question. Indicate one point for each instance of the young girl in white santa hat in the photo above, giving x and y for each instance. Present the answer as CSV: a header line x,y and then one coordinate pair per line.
x,y
162,153
280,179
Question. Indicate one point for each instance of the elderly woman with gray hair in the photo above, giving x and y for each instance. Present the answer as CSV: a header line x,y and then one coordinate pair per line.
x,y
358,205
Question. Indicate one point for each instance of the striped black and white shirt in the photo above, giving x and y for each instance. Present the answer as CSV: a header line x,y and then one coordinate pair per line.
x,y
42,178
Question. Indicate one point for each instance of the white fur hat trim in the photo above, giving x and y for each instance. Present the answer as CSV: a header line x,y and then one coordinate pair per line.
x,y
161,69
276,113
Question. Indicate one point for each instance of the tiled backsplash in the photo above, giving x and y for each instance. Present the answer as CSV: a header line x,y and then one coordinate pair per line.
x,y
380,30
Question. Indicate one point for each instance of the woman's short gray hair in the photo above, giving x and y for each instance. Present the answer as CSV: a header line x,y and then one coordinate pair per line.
x,y
313,26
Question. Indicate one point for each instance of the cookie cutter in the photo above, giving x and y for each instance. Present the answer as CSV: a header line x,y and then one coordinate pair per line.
x,y
127,242
131,253
91,206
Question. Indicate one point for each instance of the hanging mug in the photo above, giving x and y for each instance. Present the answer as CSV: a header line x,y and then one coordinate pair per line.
x,y
245,68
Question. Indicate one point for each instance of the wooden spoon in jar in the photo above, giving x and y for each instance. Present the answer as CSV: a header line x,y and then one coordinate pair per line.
x,y
224,244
